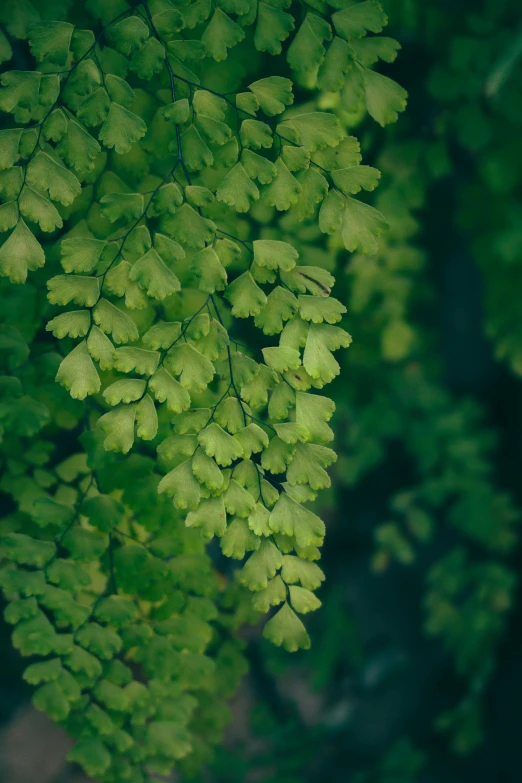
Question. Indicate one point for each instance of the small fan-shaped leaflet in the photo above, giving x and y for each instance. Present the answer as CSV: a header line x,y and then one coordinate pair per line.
x,y
121,162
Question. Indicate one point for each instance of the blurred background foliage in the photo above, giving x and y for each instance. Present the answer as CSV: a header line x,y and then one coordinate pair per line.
x,y
415,672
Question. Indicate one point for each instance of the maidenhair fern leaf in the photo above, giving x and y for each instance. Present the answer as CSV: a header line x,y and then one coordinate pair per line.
x,y
134,157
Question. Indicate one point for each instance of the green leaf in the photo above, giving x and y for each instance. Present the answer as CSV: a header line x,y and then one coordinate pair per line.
x,y
103,513
258,520
293,519
21,89
255,392
272,595
188,50
258,167
229,414
277,456
246,102
154,276
94,109
128,390
6,51
78,148
196,154
331,212
178,112
50,41
9,143
37,208
306,51
282,358
281,305
219,444
49,176
245,296
68,575
114,610
81,290
181,485
206,471
85,545
274,254
308,574
239,501
195,370
128,35
284,190
81,254
209,271
273,26
286,629
273,94
221,34
19,580
238,539
51,699
314,130
314,188
8,215
353,179
122,206
369,50
312,413
168,740
118,426
166,389
162,335
100,348
210,517
26,550
295,158
146,419
252,439
237,189
198,196
362,224
20,253
121,129
307,466
262,566
104,643
43,671
215,131
281,400
119,90
46,511
357,19
302,600
337,62
34,636
115,322
170,251
255,134
77,373
318,361
384,97
189,228
148,60
21,609
320,308
92,755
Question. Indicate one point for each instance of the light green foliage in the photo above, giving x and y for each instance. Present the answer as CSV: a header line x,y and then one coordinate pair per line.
x,y
126,160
